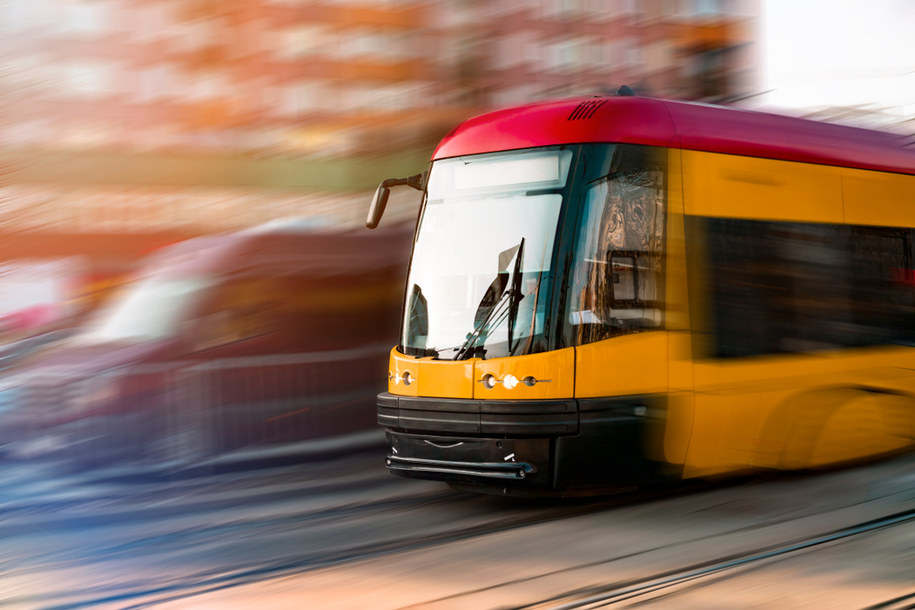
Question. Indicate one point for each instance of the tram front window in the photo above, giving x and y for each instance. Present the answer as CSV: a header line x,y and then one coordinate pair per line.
x,y
481,265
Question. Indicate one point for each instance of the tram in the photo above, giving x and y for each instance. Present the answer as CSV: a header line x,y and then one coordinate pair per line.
x,y
607,290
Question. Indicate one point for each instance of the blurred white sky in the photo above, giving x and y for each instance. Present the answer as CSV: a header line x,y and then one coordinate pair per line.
x,y
840,53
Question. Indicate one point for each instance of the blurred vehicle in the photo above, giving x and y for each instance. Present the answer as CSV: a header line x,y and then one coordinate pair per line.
x,y
607,290
41,302
39,293
263,337
13,351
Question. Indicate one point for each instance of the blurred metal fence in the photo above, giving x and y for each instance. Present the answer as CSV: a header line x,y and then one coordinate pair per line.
x,y
185,412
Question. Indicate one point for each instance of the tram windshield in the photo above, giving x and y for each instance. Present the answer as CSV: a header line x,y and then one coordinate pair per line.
x,y
482,282
482,259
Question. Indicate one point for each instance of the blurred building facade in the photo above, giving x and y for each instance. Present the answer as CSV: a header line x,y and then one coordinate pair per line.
x,y
172,118
321,77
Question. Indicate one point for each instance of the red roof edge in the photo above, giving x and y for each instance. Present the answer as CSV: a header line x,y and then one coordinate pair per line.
x,y
684,125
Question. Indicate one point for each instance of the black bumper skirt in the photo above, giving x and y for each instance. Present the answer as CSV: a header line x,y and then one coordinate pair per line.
x,y
519,446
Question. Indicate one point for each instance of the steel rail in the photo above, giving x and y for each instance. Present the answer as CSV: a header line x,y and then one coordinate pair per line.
x,y
145,594
612,594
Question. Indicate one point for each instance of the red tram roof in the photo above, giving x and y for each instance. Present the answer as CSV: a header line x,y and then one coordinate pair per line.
x,y
691,126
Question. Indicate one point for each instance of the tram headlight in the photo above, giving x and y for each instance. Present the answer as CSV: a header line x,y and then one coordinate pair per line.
x,y
407,378
509,381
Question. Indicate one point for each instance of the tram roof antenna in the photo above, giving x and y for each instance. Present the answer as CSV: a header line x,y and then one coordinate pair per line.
x,y
626,90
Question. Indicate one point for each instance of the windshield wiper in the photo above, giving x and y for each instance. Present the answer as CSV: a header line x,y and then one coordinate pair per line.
x,y
514,295
498,310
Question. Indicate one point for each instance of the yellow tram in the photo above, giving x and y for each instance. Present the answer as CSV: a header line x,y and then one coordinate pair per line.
x,y
611,289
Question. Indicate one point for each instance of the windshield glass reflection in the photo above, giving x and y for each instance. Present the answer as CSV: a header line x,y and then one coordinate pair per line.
x,y
482,259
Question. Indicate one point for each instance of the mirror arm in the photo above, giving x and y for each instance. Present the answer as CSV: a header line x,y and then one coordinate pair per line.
x,y
380,200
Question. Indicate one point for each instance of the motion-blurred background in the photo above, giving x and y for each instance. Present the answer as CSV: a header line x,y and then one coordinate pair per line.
x,y
126,125
130,125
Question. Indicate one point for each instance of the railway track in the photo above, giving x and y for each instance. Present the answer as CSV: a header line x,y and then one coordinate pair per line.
x,y
315,559
165,521
296,529
637,592
144,595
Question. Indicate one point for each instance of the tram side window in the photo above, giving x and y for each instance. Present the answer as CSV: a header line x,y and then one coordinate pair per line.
x,y
796,287
882,290
616,286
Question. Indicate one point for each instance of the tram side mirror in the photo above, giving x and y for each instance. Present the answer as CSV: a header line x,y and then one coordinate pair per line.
x,y
623,269
380,200
376,210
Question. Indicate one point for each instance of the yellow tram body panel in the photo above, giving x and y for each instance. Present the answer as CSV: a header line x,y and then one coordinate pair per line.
x,y
622,366
878,198
752,188
795,410
430,378
544,376
801,411
549,375
670,442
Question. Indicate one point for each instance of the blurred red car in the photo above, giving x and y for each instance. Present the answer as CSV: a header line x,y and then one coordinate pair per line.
x,y
272,335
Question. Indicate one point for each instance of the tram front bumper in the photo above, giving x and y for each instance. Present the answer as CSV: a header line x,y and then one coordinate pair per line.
x,y
516,446
461,458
